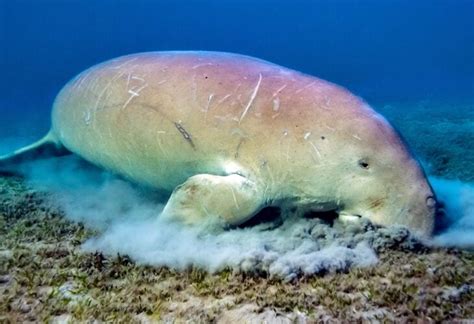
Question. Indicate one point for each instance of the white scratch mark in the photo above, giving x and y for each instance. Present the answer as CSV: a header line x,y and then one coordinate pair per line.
x,y
356,137
307,135
305,87
276,93
128,78
221,118
239,100
87,117
252,98
161,82
160,145
93,83
199,65
138,78
209,99
330,128
106,87
124,63
194,87
82,79
315,149
224,98
237,87
134,93
326,103
276,104
235,198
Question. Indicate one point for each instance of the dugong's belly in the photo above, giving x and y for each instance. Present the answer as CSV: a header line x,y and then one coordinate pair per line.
x,y
159,118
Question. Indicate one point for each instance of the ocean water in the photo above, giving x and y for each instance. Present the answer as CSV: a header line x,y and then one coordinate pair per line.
x,y
413,61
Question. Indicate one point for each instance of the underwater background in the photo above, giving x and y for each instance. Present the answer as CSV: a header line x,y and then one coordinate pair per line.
x,y
413,61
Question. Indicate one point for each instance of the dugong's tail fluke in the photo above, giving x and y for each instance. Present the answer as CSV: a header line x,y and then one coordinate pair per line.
x,y
46,147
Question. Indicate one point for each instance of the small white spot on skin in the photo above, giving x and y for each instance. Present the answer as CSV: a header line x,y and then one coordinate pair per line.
x,y
307,135
287,153
356,137
305,87
133,93
252,98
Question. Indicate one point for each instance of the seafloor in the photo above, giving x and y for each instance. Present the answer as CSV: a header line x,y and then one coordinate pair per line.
x,y
44,275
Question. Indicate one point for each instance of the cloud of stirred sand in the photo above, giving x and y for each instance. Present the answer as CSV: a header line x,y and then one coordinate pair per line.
x,y
127,218
458,198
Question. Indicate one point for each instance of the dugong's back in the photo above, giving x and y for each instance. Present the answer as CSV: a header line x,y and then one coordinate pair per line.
x,y
161,117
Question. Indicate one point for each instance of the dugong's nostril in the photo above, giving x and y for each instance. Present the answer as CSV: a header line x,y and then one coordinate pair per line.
x,y
430,202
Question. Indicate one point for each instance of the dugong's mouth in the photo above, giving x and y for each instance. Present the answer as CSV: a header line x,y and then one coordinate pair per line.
x,y
349,218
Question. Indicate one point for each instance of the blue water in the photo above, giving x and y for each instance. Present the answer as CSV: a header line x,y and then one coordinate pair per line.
x,y
381,50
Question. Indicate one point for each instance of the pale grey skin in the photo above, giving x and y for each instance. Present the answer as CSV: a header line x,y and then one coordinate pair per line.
x,y
229,135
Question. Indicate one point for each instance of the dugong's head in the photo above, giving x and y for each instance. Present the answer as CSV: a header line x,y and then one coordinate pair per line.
x,y
377,176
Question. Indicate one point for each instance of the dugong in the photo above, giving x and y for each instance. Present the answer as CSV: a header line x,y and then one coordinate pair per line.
x,y
227,135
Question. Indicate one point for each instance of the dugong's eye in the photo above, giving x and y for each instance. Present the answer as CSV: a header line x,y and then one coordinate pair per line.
x,y
364,164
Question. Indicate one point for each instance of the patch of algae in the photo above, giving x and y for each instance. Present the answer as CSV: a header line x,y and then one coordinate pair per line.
x,y
44,276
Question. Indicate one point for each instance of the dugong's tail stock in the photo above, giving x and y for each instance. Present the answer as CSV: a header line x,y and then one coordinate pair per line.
x,y
46,147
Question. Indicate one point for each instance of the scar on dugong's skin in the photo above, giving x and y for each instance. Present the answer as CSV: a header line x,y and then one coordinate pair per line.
x,y
229,135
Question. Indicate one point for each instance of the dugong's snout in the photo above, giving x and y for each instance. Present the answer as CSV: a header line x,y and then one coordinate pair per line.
x,y
416,209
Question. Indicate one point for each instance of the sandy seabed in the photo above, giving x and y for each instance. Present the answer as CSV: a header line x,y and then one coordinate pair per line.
x,y
47,275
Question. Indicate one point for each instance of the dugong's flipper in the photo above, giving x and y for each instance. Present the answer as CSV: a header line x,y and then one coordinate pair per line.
x,y
46,147
223,200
